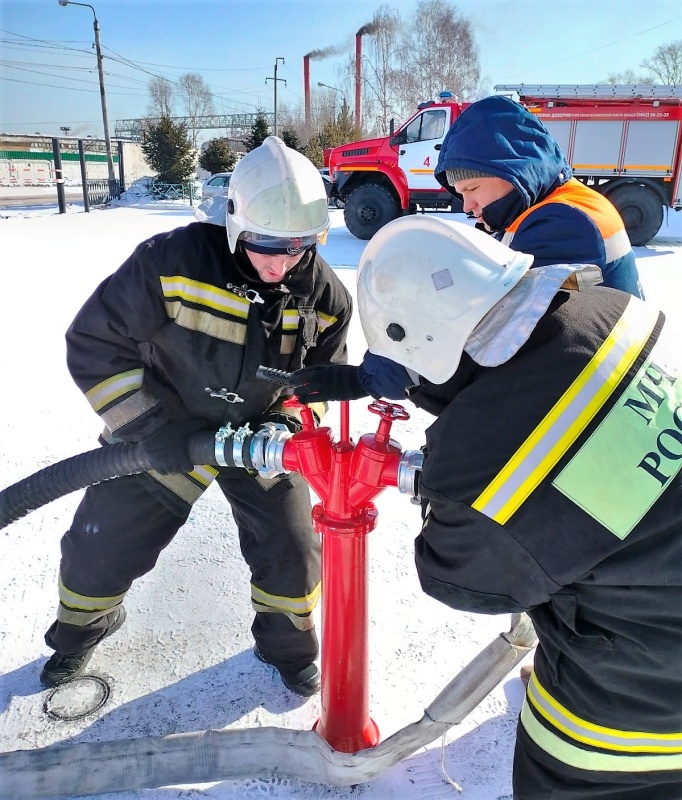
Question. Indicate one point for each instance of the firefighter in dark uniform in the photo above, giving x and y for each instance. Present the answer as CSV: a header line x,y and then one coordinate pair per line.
x,y
169,345
551,484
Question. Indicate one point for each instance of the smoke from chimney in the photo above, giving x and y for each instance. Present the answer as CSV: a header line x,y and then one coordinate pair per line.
x,y
335,50
326,52
369,28
316,55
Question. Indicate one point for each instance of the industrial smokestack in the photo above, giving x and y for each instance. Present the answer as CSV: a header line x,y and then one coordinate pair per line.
x,y
324,52
369,28
306,90
358,78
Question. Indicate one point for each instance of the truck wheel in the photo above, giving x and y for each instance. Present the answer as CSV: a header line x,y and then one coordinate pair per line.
x,y
369,208
641,210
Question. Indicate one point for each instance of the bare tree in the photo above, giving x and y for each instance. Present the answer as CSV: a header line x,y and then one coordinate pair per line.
x,y
292,117
437,52
628,77
161,98
196,99
666,63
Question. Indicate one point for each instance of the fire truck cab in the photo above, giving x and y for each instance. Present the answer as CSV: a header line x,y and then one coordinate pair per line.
x,y
381,179
623,141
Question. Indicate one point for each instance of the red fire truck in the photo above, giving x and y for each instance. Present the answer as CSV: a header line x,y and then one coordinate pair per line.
x,y
624,141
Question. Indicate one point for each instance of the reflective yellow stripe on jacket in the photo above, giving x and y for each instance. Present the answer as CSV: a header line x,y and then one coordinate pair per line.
x,y
199,307
189,486
564,423
615,750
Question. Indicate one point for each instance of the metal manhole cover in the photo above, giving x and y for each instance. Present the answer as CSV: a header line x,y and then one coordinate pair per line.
x,y
77,698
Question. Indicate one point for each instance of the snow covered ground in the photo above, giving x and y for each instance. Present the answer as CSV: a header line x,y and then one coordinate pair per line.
x,y
183,661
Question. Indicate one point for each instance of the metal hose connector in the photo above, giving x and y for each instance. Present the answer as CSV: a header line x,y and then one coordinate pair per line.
x,y
409,470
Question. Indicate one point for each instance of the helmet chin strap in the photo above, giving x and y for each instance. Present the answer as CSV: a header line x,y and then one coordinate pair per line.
x,y
508,325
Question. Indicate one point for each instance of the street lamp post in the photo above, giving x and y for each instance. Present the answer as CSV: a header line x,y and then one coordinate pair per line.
x,y
334,89
103,96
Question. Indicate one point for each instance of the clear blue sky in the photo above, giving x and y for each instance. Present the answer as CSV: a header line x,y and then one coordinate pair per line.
x,y
48,75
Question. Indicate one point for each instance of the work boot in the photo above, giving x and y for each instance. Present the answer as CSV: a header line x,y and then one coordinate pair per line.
x,y
63,668
303,682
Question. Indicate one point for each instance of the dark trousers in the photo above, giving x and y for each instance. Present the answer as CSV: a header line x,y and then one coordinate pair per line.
x,y
120,529
538,776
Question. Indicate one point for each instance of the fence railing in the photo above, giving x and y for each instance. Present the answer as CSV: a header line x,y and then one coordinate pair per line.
x,y
102,191
171,191
160,190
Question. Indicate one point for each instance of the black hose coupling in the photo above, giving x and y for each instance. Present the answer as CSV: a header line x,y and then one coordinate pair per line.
x,y
261,450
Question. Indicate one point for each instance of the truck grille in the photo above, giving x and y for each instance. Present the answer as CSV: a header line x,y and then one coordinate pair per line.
x,y
360,151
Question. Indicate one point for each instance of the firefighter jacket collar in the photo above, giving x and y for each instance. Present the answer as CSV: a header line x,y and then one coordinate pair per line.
x,y
298,282
507,326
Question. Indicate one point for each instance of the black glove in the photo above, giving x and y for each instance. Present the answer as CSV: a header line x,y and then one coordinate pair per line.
x,y
333,382
166,449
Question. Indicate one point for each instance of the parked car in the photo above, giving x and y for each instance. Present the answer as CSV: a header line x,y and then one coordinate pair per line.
x,y
328,183
216,185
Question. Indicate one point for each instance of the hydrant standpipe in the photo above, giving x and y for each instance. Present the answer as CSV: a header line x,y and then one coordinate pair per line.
x,y
346,478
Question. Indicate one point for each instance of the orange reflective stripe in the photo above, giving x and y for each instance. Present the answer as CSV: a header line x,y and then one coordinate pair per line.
x,y
573,193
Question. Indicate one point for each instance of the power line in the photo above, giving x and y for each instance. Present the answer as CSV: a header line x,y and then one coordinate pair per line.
x,y
139,66
26,64
43,42
69,88
596,49
132,65
54,122
192,69
13,65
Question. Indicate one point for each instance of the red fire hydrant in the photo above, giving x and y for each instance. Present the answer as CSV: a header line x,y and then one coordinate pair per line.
x,y
346,477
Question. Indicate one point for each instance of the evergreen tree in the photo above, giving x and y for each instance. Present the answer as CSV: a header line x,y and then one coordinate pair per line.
x,y
290,138
168,150
314,150
340,131
217,157
259,132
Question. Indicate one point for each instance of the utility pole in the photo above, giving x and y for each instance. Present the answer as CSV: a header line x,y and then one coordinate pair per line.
x,y
103,96
275,79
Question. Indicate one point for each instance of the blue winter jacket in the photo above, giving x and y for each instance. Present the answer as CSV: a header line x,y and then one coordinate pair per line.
x,y
550,214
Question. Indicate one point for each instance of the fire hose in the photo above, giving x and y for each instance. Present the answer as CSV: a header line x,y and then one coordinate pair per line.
x,y
343,748
216,755
228,447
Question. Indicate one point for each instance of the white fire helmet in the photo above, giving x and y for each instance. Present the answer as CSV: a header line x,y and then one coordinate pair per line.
x,y
276,200
424,284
